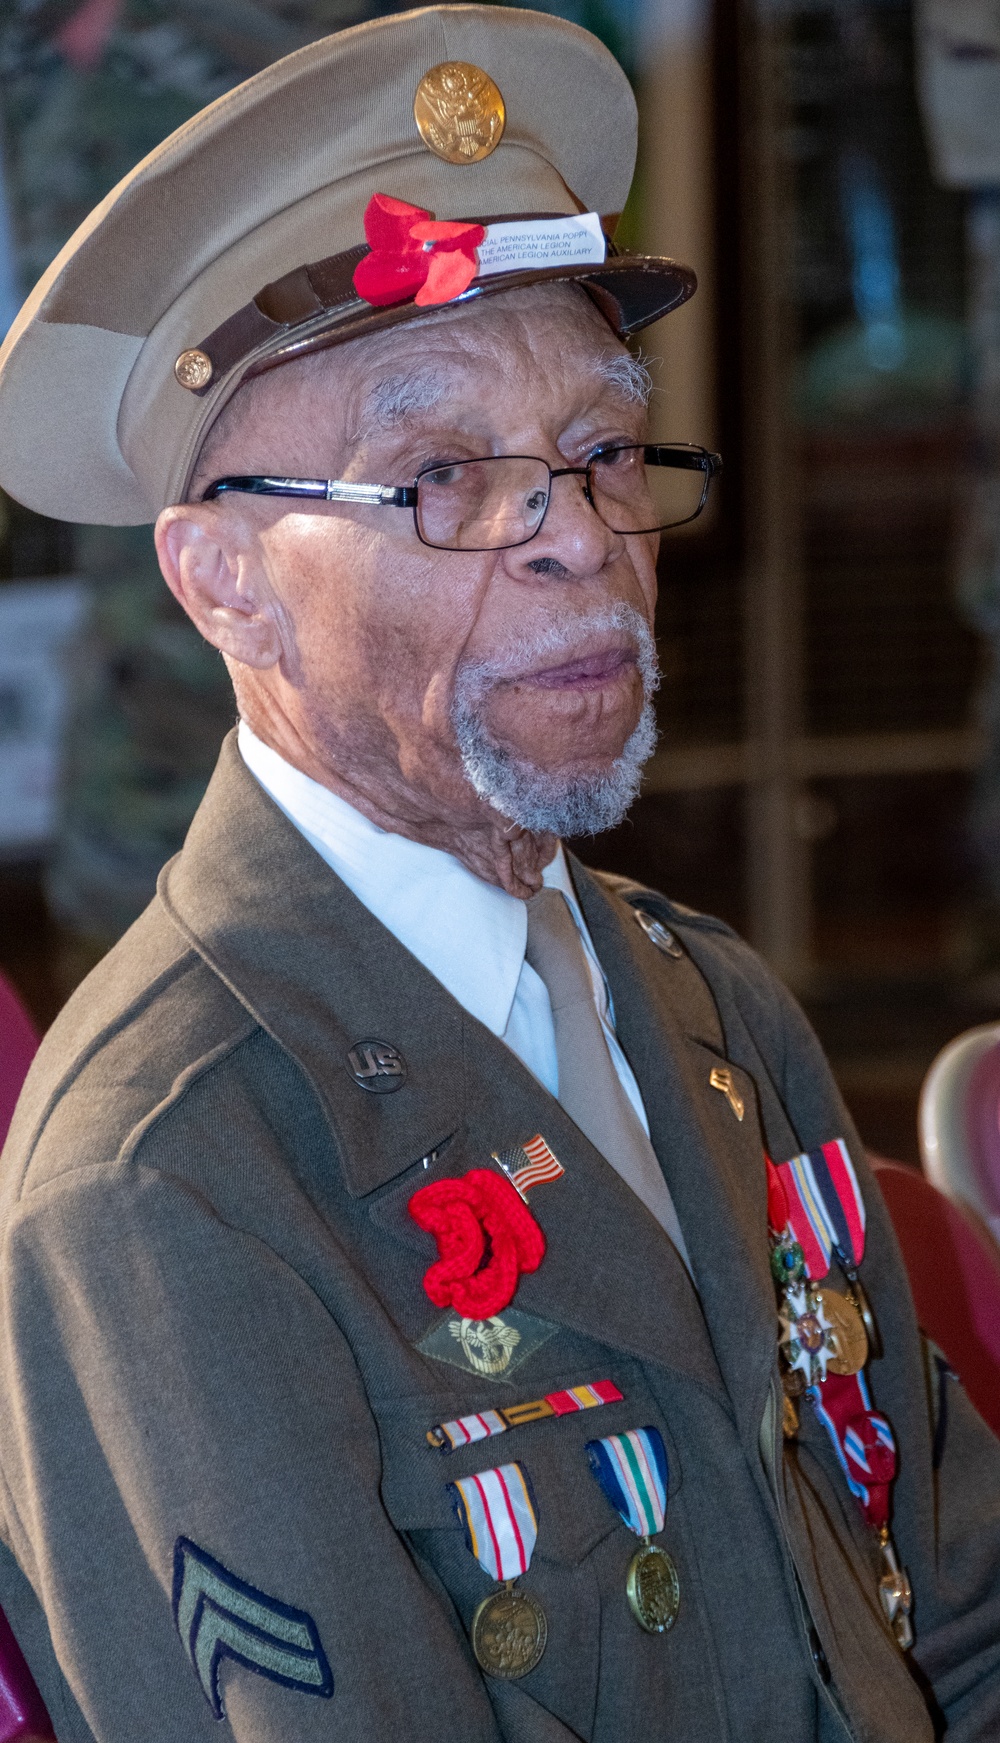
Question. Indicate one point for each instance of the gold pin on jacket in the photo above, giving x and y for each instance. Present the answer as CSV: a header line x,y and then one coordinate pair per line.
x,y
721,1078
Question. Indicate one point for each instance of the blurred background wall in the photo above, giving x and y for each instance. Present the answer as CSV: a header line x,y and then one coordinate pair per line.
x,y
829,772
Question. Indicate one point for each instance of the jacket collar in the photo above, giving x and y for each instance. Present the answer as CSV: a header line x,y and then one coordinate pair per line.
x,y
316,969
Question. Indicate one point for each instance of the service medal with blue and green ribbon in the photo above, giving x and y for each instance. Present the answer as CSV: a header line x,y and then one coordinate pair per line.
x,y
633,1472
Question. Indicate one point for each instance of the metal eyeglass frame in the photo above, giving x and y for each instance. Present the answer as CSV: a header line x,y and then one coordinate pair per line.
x,y
684,456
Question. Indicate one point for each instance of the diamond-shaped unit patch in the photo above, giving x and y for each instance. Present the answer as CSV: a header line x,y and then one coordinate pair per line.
x,y
491,1348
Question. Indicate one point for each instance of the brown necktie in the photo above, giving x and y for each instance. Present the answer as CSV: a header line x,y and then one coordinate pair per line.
x,y
589,1086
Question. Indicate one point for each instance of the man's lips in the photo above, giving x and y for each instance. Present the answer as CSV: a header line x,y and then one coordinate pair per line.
x,y
586,672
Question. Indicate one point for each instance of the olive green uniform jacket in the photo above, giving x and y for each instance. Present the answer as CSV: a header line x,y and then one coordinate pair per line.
x,y
215,1479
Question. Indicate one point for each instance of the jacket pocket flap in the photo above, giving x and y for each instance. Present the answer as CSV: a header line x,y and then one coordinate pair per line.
x,y
573,1514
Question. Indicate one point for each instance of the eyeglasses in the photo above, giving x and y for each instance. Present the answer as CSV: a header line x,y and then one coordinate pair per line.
x,y
497,503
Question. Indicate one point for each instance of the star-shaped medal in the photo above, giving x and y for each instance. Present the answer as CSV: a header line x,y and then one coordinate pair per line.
x,y
805,1334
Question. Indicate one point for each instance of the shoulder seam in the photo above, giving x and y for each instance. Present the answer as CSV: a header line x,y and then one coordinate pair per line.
x,y
94,1046
129,1148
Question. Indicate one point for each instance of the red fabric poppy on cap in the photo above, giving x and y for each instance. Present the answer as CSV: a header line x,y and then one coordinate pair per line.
x,y
414,256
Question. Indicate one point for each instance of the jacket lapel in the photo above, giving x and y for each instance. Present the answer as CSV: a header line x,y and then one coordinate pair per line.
x,y
609,1270
712,1160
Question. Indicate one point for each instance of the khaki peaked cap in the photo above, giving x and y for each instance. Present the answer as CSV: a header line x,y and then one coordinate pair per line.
x,y
206,243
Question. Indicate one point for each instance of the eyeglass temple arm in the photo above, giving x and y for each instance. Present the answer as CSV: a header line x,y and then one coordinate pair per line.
x,y
685,459
321,489
405,495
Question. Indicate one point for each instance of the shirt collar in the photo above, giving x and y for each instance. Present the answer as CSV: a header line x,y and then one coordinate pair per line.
x,y
469,934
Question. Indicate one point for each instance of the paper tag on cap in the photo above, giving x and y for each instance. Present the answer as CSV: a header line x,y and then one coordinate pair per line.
x,y
521,246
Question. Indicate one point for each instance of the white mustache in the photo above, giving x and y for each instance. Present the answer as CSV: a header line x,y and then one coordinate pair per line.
x,y
523,655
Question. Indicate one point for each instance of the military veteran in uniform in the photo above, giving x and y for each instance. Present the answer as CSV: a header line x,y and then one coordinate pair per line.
x,y
443,1294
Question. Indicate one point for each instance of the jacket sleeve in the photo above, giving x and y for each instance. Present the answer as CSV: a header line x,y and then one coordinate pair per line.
x,y
946,1503
191,1476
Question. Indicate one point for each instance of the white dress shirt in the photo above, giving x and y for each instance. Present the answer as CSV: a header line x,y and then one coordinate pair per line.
x,y
469,934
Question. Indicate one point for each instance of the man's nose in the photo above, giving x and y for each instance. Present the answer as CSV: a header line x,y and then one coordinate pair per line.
x,y
573,541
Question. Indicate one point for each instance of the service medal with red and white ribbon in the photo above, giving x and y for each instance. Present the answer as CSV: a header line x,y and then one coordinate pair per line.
x,y
498,1514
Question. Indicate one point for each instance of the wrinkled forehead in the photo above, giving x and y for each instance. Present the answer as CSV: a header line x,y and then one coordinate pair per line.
x,y
527,338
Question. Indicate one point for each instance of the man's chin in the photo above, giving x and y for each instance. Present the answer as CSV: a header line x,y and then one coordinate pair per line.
x,y
553,801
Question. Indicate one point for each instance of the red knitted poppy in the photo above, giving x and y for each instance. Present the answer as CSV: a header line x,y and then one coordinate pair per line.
x,y
477,1217
412,255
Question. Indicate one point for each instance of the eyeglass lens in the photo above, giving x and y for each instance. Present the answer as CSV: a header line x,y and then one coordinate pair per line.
x,y
486,505
633,494
482,505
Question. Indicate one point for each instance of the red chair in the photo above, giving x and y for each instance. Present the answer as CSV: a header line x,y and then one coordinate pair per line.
x,y
23,1718
23,1714
18,1046
954,1269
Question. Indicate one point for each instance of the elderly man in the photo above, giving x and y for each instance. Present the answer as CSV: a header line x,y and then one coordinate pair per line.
x,y
442,1291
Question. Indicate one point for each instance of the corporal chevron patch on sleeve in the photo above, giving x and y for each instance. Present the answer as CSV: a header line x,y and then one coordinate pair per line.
x,y
219,1616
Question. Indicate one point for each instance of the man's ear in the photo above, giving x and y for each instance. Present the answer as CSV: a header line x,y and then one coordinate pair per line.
x,y
216,576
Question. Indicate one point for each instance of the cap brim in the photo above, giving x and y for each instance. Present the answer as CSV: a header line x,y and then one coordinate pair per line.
x,y
630,290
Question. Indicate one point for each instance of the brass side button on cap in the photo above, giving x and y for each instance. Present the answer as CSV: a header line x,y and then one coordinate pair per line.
x,y
193,369
459,112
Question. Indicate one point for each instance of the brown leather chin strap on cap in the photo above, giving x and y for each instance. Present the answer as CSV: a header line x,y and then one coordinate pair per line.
x,y
316,306
323,288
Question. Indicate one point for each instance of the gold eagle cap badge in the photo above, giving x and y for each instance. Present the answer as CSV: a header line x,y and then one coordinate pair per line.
x,y
459,112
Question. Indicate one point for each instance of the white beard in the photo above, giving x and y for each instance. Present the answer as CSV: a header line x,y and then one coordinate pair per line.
x,y
534,798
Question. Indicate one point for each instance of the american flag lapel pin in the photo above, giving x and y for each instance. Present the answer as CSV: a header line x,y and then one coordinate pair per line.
x,y
529,1164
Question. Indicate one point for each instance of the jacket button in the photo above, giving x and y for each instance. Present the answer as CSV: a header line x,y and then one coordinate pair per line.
x,y
819,1657
658,934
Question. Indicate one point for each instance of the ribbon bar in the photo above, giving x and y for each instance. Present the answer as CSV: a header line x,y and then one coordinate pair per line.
x,y
464,1430
498,1514
825,1208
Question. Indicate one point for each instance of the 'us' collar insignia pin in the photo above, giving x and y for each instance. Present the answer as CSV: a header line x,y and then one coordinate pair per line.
x,y
376,1066
721,1078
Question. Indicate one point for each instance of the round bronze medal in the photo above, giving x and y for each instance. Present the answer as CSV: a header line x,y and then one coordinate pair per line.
x,y
850,1341
509,1632
654,1591
459,112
